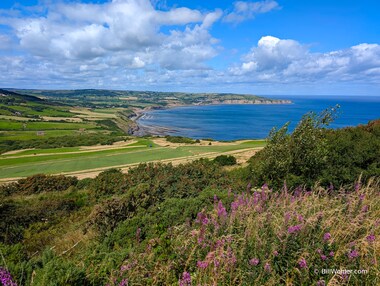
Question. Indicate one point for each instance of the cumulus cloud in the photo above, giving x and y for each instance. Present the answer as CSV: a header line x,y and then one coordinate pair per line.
x,y
248,10
121,28
133,44
275,59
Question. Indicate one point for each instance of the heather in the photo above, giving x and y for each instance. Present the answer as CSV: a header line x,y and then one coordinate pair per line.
x,y
279,220
267,238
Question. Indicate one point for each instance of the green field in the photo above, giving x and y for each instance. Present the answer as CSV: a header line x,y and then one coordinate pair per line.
x,y
35,109
27,135
37,125
17,166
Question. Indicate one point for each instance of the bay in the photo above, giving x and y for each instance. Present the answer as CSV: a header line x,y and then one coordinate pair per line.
x,y
233,122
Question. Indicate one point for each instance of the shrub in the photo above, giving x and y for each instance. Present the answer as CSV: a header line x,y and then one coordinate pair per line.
x,y
297,158
106,216
225,160
38,184
179,139
108,182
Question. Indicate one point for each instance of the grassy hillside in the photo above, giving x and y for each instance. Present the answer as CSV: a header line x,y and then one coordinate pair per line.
x,y
140,99
15,104
27,122
200,223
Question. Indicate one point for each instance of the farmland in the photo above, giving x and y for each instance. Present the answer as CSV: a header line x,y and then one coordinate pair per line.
x,y
82,160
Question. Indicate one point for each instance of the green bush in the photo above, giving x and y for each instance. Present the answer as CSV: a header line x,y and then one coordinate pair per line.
x,y
179,139
297,158
314,154
108,182
225,160
39,183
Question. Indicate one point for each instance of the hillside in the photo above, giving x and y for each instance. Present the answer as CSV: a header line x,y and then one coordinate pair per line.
x,y
12,97
22,105
142,99
27,121
200,223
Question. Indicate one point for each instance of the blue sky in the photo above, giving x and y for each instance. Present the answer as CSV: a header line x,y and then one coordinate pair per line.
x,y
258,47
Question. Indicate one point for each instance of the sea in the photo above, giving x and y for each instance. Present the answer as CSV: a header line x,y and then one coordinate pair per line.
x,y
233,122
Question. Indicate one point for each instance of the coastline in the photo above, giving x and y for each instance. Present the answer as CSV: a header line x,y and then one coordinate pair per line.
x,y
140,130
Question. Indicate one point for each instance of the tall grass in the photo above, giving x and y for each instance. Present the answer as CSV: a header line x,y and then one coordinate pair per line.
x,y
265,237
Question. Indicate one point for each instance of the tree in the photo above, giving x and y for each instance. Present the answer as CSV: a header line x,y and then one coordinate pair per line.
x,y
297,158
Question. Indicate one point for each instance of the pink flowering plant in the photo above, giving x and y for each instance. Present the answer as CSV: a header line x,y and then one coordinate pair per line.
x,y
263,236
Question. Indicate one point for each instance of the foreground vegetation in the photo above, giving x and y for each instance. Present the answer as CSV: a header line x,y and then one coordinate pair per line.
x,y
201,223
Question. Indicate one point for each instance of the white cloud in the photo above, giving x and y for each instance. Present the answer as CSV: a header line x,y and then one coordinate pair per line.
x,y
248,10
132,44
278,60
118,29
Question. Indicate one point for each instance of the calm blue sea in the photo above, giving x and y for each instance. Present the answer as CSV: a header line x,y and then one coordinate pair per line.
x,y
231,122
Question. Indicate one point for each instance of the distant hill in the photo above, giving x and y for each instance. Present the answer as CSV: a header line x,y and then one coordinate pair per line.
x,y
7,97
97,98
18,104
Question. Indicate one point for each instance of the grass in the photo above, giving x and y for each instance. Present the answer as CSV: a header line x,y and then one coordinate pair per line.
x,y
14,125
15,166
128,156
36,109
43,151
265,237
27,135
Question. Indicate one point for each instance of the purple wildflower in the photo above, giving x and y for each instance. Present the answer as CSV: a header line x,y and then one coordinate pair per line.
x,y
275,253
353,254
321,283
326,236
186,279
298,191
371,238
202,264
323,257
267,267
123,282
302,263
6,278
254,261
202,218
319,251
294,228
357,186
123,268
331,253
365,208
361,197
300,218
221,210
345,277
